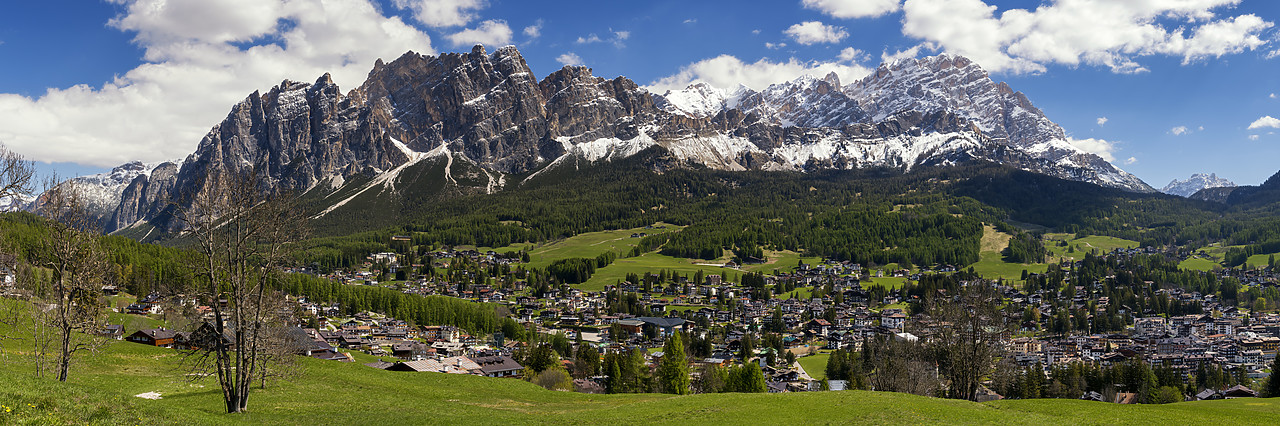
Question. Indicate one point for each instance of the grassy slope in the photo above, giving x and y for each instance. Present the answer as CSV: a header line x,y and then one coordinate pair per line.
x,y
992,264
588,245
353,394
592,244
101,389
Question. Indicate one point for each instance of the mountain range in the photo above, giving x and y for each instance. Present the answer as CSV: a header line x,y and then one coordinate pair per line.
x,y
1197,182
478,122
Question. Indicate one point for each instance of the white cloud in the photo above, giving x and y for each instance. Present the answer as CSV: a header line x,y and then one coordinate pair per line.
x,y
1253,137
1072,32
1102,121
850,54
494,32
755,32
1130,160
727,71
196,66
814,32
617,38
853,8
534,31
1179,130
442,13
910,53
1273,96
691,21
569,58
1100,147
1265,121
774,46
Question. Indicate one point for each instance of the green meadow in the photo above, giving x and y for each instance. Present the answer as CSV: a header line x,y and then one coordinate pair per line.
x,y
102,389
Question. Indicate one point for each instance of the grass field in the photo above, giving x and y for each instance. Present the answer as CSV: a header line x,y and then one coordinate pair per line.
x,y
1103,244
889,283
815,365
782,261
589,245
101,391
1198,264
1259,260
648,262
991,263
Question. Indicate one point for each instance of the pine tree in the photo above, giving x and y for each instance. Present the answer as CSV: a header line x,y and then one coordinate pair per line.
x,y
673,369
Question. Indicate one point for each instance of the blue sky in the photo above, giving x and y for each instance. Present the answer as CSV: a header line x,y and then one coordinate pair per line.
x,y
1180,83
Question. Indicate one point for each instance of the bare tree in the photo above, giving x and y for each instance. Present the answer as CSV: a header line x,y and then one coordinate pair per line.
x,y
282,341
72,304
16,174
242,243
899,365
967,345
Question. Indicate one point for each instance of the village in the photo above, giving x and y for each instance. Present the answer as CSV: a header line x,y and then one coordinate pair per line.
x,y
641,315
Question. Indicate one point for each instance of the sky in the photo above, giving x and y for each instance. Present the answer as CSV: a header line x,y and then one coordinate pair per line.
x,y
1162,89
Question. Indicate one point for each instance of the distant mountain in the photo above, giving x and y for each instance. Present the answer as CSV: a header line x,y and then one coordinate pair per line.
x,y
103,192
434,126
1197,182
1246,196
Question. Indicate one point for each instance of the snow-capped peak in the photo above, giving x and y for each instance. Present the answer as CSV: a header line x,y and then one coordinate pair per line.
x,y
1197,182
701,100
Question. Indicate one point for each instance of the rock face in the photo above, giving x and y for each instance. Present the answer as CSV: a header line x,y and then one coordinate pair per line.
x,y
489,111
1197,182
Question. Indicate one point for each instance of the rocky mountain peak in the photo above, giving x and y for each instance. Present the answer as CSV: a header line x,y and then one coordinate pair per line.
x,y
1197,182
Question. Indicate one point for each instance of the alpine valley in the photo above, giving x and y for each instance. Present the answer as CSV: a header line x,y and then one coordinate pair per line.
x,y
426,128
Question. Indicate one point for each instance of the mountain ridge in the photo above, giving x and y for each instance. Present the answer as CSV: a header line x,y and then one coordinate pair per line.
x,y
487,109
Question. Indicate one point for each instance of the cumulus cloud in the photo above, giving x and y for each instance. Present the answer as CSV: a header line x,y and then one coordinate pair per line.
x,y
590,38
1102,121
494,32
534,31
196,66
909,53
1099,147
441,13
569,58
1265,121
774,46
1109,34
853,8
1253,137
691,21
850,54
1273,96
1179,130
727,71
814,32
1130,160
